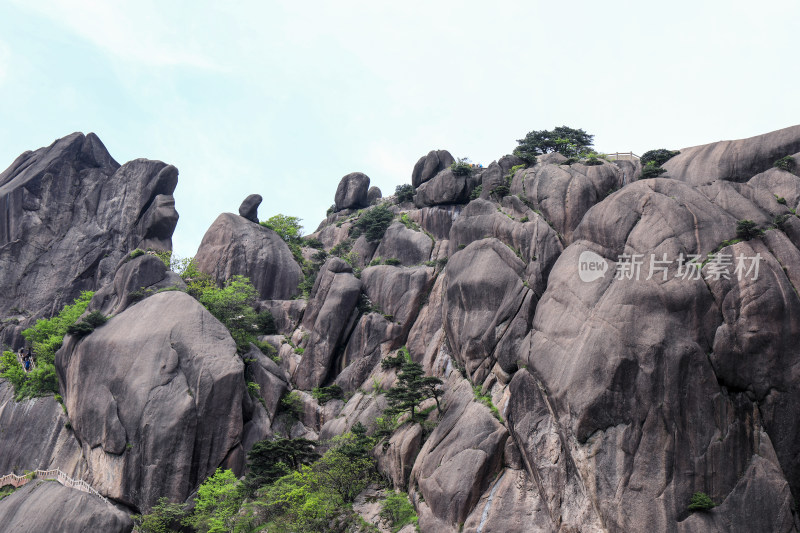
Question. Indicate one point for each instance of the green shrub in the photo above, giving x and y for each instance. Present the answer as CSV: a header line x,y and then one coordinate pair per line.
x,y
500,191
292,405
785,163
324,394
407,222
136,253
461,167
233,306
780,199
486,399
373,222
393,261
658,156
375,261
592,161
780,220
313,243
398,511
396,361
6,490
747,229
476,192
45,337
701,502
651,170
164,517
404,193
269,460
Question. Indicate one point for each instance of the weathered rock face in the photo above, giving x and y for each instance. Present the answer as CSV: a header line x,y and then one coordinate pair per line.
x,y
352,192
445,188
733,160
69,213
249,207
430,165
373,195
479,310
234,246
135,279
328,317
155,398
409,246
50,506
34,436
564,193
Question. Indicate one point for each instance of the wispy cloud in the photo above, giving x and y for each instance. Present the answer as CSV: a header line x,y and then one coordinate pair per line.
x,y
136,32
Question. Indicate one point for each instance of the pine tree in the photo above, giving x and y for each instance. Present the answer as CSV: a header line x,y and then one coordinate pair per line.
x,y
412,388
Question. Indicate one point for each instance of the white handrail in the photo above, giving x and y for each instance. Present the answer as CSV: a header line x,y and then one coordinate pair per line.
x,y
56,474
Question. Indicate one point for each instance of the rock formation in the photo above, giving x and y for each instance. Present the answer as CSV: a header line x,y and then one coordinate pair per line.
x,y
606,345
70,213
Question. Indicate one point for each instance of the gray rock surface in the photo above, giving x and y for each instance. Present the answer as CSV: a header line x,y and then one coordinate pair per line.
x,y
737,160
445,188
479,309
233,246
429,165
328,317
411,247
374,194
34,436
50,506
69,213
135,280
352,192
249,207
154,396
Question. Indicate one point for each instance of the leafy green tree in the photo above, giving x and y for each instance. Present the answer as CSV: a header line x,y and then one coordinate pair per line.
x,y
404,193
659,156
269,460
411,389
346,468
164,517
651,170
288,227
233,306
398,511
46,337
565,140
217,503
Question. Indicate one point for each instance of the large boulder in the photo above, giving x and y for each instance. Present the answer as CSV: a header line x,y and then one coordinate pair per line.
x,y
564,193
50,506
329,317
249,207
70,214
352,192
478,309
733,160
430,165
411,247
445,188
155,398
234,246
134,280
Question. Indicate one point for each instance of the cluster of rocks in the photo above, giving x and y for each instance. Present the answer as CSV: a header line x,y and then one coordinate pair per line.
x,y
569,405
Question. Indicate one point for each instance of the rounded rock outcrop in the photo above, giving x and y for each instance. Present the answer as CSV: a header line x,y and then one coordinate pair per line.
x,y
352,192
249,207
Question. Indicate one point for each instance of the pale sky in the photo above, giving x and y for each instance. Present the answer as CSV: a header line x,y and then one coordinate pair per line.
x,y
284,98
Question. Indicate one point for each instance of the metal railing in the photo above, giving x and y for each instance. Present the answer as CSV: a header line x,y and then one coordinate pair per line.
x,y
55,474
622,156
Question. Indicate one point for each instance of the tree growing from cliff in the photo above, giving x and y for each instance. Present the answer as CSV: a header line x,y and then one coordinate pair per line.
x,y
567,141
413,387
269,460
